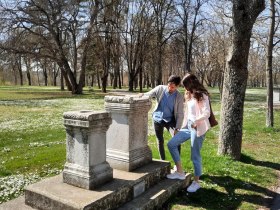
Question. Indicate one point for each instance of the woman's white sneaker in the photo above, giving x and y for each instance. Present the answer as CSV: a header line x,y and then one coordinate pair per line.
x,y
174,169
193,187
176,175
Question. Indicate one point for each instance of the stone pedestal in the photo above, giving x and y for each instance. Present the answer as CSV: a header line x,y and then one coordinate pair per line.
x,y
86,165
127,146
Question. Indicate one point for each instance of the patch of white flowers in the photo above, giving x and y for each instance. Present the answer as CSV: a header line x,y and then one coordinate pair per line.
x,y
44,144
6,149
13,186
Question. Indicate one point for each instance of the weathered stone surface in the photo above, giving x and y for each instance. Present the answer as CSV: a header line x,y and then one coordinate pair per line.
x,y
127,99
127,146
156,196
86,118
53,194
138,189
86,165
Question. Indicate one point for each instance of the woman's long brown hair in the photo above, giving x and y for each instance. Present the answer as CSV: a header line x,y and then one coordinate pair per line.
x,y
193,86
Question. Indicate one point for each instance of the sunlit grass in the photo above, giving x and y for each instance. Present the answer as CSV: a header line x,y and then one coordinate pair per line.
x,y
32,146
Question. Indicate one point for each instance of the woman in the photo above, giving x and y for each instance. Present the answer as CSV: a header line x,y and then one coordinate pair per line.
x,y
196,124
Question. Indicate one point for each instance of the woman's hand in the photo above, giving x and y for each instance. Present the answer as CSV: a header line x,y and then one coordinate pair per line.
x,y
194,125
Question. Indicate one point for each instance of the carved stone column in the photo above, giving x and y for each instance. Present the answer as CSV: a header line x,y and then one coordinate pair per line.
x,y
86,165
127,146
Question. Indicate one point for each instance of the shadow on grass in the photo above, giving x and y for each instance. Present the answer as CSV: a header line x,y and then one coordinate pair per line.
x,y
247,159
230,196
255,97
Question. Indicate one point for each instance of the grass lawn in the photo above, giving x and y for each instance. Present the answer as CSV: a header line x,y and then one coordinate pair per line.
x,y
32,146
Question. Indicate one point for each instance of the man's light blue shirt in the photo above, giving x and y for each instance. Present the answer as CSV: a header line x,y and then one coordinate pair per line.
x,y
165,110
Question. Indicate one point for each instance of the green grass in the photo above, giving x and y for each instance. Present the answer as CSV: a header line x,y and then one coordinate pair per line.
x,y
32,146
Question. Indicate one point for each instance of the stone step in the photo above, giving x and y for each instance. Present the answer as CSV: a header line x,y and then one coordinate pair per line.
x,y
156,196
153,198
147,182
53,193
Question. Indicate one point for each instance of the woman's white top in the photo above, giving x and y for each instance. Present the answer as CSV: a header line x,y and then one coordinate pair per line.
x,y
198,112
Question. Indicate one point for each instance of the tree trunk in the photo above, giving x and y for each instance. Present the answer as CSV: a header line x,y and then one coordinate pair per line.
x,y
45,73
236,75
104,82
120,79
61,80
186,55
28,69
19,66
92,80
55,74
38,76
269,79
70,78
115,79
20,74
159,66
130,84
141,79
82,79
66,79
15,74
28,76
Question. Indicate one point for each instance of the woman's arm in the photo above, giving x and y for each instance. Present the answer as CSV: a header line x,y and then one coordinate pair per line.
x,y
204,109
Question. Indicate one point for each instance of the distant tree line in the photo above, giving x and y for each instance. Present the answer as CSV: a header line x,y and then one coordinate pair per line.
x,y
106,42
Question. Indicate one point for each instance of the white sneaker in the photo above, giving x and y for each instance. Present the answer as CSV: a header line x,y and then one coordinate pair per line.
x,y
174,169
193,187
176,175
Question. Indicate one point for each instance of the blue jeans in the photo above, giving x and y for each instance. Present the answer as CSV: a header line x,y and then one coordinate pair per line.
x,y
196,144
159,127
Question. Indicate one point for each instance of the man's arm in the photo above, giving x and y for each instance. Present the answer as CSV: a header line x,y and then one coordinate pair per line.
x,y
154,93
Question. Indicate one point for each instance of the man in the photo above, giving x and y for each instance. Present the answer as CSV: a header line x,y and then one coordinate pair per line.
x,y
168,112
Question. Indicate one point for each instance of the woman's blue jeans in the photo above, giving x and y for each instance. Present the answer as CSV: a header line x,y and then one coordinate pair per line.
x,y
196,144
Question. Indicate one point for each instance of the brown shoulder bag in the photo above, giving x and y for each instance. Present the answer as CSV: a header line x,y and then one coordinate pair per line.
x,y
212,120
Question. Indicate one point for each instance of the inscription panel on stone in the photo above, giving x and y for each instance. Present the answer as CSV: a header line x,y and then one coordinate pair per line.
x,y
78,123
138,189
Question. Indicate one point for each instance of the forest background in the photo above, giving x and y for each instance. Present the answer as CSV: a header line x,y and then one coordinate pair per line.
x,y
124,43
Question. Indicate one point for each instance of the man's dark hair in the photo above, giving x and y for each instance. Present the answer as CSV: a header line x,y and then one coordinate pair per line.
x,y
174,79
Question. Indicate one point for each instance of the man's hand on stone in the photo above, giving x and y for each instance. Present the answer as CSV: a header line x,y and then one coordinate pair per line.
x,y
140,95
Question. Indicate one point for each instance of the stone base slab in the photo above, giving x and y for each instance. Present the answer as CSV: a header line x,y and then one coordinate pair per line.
x,y
53,194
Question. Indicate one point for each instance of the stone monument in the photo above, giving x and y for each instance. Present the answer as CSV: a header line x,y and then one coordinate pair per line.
x,y
127,146
86,165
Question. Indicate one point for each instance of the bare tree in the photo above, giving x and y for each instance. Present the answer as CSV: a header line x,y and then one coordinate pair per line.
x,y
56,29
162,10
256,77
236,75
136,34
269,61
191,18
